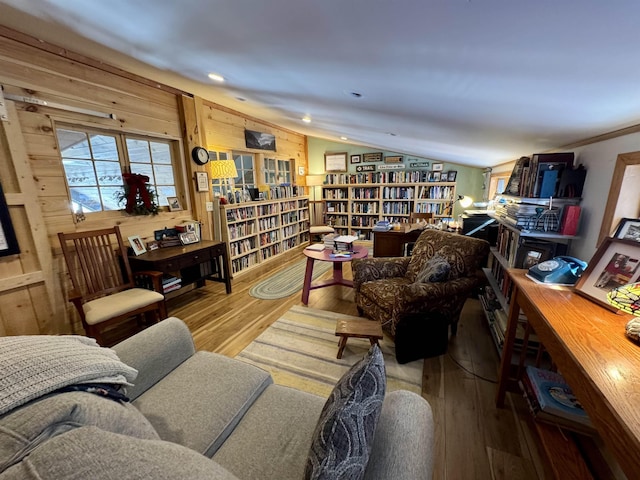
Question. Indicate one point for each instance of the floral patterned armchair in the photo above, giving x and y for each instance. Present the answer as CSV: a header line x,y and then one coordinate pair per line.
x,y
386,289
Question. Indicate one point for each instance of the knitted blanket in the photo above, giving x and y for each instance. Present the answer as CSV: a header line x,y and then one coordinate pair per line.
x,y
34,365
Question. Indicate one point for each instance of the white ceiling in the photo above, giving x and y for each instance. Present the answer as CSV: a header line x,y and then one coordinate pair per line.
x,y
474,82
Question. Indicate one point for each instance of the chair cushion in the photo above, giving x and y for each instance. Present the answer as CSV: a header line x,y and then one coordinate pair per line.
x,y
284,420
436,269
90,452
31,425
343,438
34,365
111,306
200,402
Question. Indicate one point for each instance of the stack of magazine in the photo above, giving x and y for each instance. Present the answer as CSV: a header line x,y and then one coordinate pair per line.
x,y
170,283
551,400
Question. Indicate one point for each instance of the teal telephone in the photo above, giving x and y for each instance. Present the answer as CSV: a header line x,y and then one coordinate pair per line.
x,y
558,271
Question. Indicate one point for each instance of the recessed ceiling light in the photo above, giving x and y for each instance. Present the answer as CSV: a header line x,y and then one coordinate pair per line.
x,y
355,94
306,119
215,77
392,134
344,138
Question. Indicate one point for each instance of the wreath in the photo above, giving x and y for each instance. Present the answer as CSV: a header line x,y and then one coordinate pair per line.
x,y
139,196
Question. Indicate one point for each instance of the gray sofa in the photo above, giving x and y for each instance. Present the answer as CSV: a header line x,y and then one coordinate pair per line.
x,y
196,415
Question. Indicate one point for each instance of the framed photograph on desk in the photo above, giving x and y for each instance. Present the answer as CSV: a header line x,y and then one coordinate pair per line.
x,y
615,263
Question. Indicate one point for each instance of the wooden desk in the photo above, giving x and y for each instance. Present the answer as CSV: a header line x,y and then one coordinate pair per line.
x,y
196,262
389,244
588,345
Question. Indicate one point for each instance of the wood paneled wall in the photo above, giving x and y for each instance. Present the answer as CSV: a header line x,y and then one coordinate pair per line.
x,y
57,76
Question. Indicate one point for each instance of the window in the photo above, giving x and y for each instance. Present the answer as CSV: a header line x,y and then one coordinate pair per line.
x,y
277,172
244,166
93,163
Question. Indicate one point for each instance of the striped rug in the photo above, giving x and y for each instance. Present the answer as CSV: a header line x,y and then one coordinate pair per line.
x,y
288,281
300,350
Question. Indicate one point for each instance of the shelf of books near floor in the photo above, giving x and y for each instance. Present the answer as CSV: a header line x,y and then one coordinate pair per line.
x,y
259,231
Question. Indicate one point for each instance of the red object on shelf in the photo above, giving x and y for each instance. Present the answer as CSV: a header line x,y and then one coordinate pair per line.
x,y
570,220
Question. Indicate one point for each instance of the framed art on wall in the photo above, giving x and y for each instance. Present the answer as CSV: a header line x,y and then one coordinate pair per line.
x,y
8,242
174,204
202,181
356,159
614,264
335,162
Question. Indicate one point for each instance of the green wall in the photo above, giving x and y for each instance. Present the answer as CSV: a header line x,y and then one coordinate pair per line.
x,y
469,180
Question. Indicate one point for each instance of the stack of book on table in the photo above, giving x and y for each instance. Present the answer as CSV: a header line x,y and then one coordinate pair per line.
x,y
170,283
551,400
344,243
329,240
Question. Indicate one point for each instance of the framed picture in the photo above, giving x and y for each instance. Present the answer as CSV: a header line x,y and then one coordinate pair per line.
x,y
437,167
8,242
174,204
614,264
393,159
372,157
137,245
188,237
530,254
436,176
202,181
356,158
451,176
335,162
628,229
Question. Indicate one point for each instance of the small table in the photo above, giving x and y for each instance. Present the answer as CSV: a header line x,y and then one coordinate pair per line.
x,y
357,328
195,262
325,256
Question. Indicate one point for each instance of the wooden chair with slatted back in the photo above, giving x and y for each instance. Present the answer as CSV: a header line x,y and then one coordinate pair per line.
x,y
414,217
104,290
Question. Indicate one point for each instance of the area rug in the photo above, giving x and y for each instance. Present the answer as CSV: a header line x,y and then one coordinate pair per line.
x,y
288,281
300,348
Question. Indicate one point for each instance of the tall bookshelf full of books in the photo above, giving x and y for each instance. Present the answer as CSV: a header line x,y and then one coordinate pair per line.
x,y
538,217
354,203
256,232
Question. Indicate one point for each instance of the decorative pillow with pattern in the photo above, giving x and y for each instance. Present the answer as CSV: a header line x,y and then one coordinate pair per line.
x,y
436,269
343,437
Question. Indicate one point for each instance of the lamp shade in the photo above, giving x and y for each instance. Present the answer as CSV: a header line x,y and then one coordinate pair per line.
x,y
466,201
223,169
314,180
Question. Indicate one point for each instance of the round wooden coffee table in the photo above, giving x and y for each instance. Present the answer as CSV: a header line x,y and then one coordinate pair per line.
x,y
325,256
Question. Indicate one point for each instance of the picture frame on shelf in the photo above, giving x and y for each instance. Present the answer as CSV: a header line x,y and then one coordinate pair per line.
x,y
8,241
615,263
137,245
202,181
187,238
628,229
174,204
355,159
436,177
335,162
452,175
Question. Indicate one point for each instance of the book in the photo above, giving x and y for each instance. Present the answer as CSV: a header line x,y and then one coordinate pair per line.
x,y
553,395
317,247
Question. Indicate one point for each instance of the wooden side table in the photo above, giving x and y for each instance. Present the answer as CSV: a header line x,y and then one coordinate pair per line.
x,y
357,328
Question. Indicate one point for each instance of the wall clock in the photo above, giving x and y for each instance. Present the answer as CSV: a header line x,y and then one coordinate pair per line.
x,y
200,155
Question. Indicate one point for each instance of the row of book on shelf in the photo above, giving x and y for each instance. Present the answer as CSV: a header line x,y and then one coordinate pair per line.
x,y
170,283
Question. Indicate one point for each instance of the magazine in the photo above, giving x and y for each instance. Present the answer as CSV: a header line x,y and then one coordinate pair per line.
x,y
553,395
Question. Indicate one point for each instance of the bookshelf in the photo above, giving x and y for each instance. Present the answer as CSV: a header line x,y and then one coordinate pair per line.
x,y
259,231
355,202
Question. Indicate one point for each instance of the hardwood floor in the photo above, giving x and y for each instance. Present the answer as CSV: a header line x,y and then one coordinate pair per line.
x,y
475,440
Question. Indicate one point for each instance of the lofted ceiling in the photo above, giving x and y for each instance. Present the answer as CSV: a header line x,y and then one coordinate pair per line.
x,y
474,82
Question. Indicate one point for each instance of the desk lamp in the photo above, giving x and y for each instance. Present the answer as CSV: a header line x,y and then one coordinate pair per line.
x,y
224,170
627,299
464,200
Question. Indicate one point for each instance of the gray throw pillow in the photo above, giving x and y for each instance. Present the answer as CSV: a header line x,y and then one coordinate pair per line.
x,y
343,437
436,269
